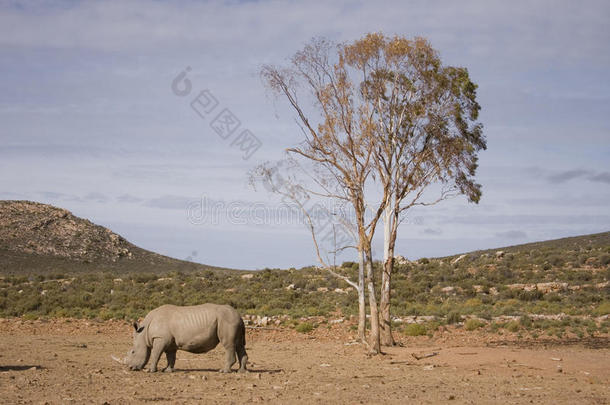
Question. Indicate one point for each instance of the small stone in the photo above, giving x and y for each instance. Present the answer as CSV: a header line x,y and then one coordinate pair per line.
x,y
204,378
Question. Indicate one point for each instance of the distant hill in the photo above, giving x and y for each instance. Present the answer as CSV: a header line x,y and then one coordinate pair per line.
x,y
598,241
38,238
576,252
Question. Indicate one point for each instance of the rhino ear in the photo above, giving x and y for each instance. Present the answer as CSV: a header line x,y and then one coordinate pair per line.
x,y
140,329
135,326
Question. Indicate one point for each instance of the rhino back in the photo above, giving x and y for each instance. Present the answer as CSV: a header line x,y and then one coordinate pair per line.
x,y
195,328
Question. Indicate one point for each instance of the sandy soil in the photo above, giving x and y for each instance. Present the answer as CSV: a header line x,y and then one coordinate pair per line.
x,y
69,362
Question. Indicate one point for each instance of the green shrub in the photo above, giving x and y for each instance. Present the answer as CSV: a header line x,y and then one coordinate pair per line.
x,y
591,330
556,260
552,297
602,309
512,326
304,327
472,324
532,295
557,332
473,303
495,326
454,317
432,327
415,329
525,321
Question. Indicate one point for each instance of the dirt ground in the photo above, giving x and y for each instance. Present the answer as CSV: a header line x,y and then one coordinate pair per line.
x,y
68,361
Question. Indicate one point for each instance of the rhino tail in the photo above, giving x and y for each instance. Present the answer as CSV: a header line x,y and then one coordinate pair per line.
x,y
243,333
240,347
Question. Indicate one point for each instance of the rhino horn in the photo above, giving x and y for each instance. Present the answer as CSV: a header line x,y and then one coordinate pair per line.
x,y
117,359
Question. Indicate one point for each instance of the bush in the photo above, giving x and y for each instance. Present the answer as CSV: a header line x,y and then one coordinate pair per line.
x,y
415,329
473,303
432,327
495,326
602,309
512,326
304,327
556,260
454,317
472,324
525,321
532,295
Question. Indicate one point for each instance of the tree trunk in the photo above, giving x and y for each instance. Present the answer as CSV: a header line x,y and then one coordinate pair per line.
x,y
384,302
390,222
374,341
361,300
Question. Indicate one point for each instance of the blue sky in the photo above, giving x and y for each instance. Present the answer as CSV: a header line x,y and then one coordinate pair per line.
x,y
89,121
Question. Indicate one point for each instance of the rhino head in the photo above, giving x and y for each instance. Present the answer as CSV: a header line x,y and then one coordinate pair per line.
x,y
138,355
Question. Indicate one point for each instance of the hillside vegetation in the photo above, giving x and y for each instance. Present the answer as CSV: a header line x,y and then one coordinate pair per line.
x,y
558,287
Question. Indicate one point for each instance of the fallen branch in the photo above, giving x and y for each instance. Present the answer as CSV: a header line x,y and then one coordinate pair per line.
x,y
424,356
262,328
407,362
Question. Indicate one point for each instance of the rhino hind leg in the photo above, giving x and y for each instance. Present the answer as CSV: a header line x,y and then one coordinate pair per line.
x,y
242,356
171,361
229,358
240,347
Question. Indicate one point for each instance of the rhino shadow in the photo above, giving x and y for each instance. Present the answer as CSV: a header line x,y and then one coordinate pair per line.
x,y
216,370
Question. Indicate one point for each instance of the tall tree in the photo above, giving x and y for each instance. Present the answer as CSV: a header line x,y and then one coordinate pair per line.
x,y
428,134
388,120
338,139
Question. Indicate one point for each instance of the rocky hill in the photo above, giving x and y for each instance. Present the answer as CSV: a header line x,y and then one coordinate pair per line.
x,y
35,237
41,229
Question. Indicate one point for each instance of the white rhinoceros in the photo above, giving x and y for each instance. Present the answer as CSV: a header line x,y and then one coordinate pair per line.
x,y
195,329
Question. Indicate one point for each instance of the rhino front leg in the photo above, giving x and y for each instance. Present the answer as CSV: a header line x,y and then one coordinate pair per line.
x,y
171,361
155,355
